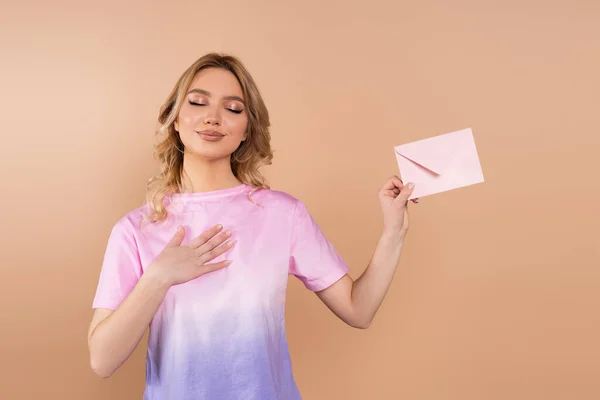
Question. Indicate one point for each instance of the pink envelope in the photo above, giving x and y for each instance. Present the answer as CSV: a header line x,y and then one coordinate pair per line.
x,y
440,163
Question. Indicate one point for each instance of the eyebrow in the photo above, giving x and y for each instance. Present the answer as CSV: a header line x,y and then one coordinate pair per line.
x,y
206,93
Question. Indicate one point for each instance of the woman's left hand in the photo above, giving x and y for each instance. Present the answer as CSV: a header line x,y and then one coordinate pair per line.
x,y
393,197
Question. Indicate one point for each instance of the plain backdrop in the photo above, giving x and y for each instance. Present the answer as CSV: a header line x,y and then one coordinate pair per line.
x,y
497,293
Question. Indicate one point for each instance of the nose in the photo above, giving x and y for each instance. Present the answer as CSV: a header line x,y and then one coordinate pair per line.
x,y
212,117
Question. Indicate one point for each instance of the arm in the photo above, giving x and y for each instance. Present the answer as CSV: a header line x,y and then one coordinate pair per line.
x,y
357,302
113,335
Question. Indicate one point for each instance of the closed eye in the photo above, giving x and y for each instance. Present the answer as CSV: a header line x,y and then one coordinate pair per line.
x,y
229,109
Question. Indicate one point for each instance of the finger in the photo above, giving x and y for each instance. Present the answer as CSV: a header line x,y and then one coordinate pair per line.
x,y
177,238
392,183
398,182
206,268
216,252
405,193
205,236
391,193
415,200
213,242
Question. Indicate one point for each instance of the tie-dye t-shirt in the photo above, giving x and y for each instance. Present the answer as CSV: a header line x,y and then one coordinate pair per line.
x,y
222,335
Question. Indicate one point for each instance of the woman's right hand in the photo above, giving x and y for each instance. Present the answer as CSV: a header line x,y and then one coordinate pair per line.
x,y
177,264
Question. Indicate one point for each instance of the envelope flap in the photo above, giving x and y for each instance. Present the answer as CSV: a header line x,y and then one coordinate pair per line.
x,y
435,153
431,157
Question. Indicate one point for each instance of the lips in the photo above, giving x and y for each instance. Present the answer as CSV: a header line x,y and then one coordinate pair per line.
x,y
211,136
210,133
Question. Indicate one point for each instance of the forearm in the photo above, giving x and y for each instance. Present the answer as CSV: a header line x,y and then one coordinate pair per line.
x,y
116,337
369,290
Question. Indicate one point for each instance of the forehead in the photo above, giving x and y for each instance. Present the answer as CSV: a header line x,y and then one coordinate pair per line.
x,y
218,82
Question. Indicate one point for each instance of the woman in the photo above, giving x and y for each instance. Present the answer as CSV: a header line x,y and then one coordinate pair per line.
x,y
205,261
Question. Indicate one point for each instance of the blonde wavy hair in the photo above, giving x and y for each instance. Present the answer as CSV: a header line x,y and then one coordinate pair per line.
x,y
246,160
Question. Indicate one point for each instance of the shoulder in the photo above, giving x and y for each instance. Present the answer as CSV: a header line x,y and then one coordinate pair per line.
x,y
131,222
275,198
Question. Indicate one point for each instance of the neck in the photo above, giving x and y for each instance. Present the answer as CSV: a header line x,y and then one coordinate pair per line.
x,y
202,175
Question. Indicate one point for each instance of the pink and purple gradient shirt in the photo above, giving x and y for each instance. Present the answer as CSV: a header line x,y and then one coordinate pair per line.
x,y
222,335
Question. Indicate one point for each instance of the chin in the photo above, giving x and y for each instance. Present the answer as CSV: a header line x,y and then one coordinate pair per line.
x,y
197,147
209,154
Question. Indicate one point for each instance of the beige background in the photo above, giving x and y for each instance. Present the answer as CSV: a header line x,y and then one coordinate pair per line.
x,y
497,295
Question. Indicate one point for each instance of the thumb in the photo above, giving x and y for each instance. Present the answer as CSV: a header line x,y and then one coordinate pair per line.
x,y
405,193
177,238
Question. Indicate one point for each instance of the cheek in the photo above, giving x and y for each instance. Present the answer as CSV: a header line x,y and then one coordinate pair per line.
x,y
187,123
236,126
187,119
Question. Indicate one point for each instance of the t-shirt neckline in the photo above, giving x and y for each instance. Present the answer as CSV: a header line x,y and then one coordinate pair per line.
x,y
213,194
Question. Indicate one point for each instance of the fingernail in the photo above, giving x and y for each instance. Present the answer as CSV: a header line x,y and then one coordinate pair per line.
x,y
219,226
411,185
228,233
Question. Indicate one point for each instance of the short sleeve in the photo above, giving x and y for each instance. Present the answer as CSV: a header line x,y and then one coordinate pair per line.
x,y
121,267
313,258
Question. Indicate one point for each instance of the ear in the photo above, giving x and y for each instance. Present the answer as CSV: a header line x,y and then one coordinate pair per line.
x,y
176,124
